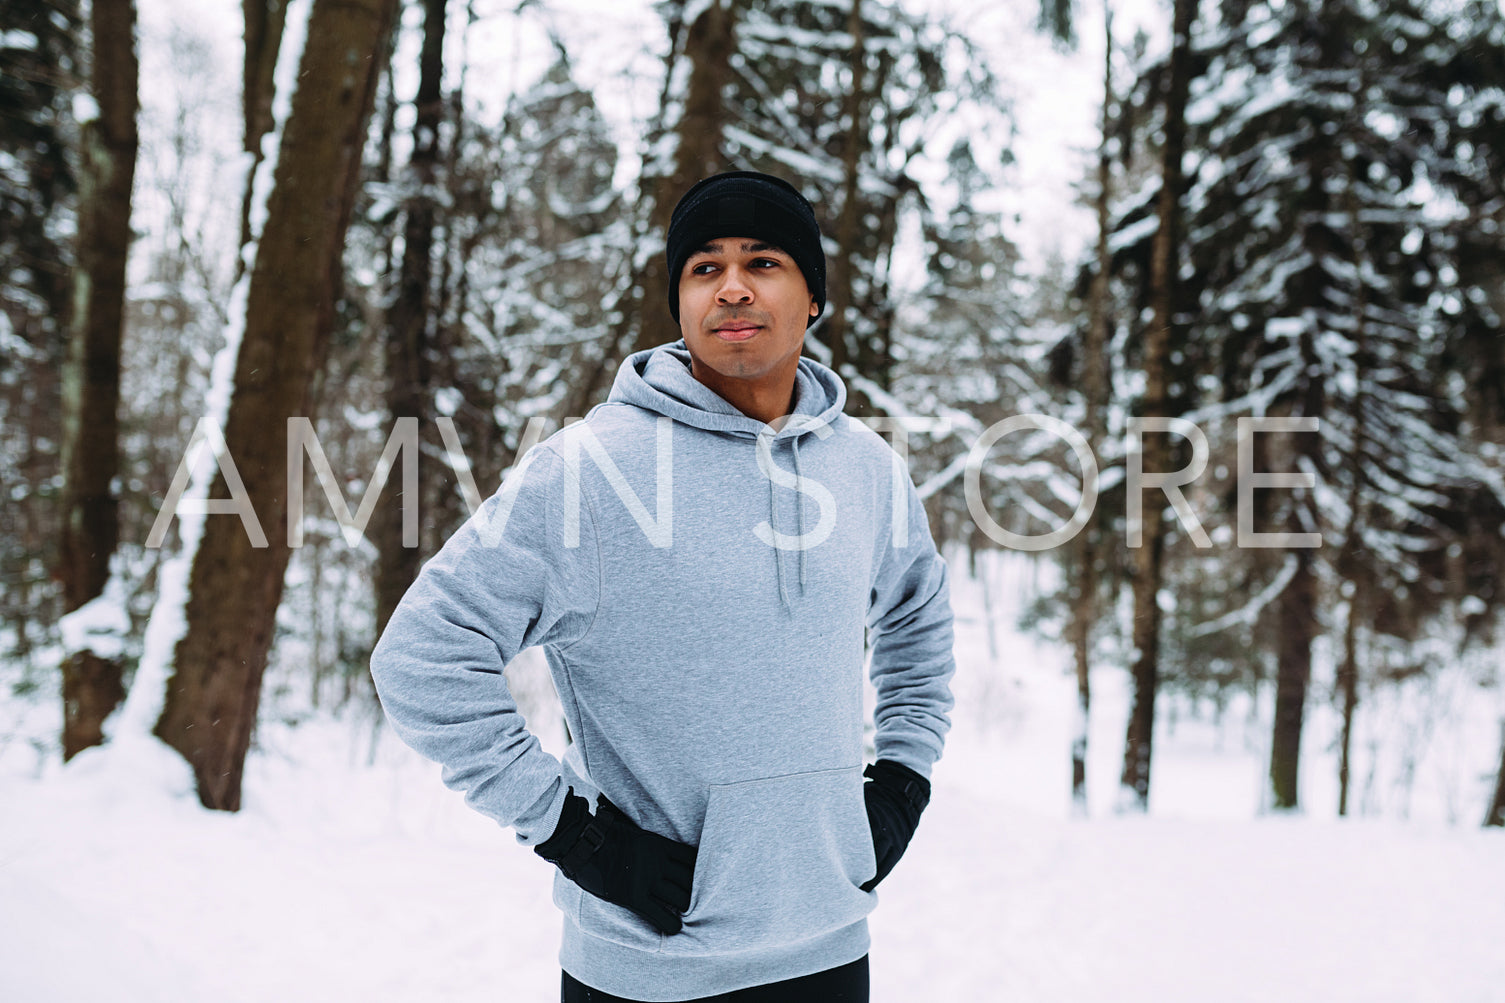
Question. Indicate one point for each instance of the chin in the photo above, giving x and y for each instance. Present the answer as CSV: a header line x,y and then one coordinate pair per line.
x,y
734,370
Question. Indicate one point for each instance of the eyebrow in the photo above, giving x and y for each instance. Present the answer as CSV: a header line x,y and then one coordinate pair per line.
x,y
748,247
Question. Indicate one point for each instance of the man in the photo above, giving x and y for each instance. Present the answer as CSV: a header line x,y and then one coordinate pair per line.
x,y
700,559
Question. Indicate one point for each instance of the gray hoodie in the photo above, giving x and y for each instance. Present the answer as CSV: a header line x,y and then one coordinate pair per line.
x,y
702,587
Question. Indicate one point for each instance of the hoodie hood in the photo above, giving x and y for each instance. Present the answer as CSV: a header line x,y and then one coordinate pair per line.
x,y
659,380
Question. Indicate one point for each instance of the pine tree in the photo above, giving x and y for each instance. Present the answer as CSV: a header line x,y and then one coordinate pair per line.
x,y
1157,401
1328,288
561,258
969,355
840,98
40,45
843,97
1084,571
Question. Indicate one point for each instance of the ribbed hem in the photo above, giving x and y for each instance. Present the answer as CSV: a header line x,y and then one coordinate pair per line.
x,y
668,978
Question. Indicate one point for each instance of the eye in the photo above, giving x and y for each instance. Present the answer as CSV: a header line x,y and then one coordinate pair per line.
x,y
702,269
765,263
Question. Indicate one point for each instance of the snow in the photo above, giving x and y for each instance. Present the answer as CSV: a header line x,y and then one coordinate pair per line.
x,y
803,164
18,40
99,625
85,108
285,76
352,873
1249,613
1134,233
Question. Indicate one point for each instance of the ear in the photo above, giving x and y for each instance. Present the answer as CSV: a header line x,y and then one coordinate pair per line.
x,y
814,307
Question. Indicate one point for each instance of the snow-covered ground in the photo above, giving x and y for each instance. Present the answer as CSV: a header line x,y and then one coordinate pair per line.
x,y
352,874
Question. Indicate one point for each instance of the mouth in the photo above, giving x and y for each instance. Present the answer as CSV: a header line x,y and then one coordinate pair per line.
x,y
736,331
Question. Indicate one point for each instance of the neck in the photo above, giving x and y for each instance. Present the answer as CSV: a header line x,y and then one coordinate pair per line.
x,y
767,402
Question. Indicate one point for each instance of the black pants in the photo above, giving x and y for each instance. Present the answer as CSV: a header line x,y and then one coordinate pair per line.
x,y
846,984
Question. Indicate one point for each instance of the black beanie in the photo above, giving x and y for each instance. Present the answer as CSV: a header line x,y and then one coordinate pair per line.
x,y
746,204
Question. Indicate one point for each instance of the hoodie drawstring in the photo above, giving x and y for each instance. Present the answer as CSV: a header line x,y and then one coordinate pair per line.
x,y
799,516
778,558
799,507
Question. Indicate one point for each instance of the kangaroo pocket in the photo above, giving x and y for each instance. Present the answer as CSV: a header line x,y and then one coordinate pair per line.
x,y
780,861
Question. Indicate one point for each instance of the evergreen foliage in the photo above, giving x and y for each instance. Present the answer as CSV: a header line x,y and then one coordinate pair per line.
x,y
1344,264
40,46
1326,223
794,89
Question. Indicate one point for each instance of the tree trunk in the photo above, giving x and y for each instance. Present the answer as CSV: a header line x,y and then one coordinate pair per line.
x,y
1157,453
839,284
1348,693
265,21
875,351
1294,670
710,44
1297,611
1496,813
234,588
92,686
1349,558
407,350
1095,400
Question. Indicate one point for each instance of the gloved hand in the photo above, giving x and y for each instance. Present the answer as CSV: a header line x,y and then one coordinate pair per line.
x,y
614,859
895,795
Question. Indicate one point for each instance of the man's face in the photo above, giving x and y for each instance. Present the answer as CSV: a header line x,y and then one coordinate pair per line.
x,y
743,309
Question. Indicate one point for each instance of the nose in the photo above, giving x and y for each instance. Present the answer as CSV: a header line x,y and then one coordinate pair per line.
x,y
734,287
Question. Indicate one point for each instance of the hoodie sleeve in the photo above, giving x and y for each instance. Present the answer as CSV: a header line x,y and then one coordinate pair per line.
x,y
506,580
910,629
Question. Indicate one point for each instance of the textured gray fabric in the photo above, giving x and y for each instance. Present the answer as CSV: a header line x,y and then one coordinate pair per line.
x,y
712,681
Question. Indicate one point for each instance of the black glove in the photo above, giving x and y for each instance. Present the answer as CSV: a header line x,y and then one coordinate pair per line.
x,y
895,796
614,859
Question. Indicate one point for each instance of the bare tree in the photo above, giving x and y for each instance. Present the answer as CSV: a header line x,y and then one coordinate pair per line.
x,y
409,320
91,378
854,110
1157,456
709,44
1095,386
234,586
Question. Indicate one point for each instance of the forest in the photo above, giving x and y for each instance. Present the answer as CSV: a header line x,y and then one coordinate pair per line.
x,y
272,331
1297,207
